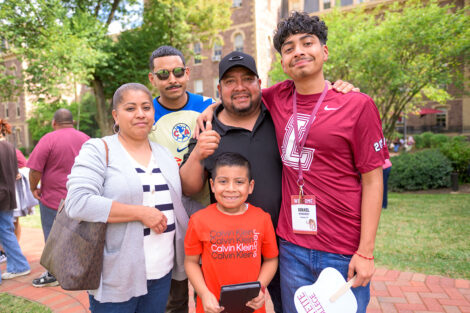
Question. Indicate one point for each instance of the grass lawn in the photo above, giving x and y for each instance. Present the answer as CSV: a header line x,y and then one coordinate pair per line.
x,y
426,233
12,304
33,220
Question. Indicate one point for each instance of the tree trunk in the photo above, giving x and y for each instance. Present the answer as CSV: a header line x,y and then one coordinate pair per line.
x,y
103,116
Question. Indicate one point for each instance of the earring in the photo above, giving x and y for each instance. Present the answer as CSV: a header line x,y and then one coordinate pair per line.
x,y
116,128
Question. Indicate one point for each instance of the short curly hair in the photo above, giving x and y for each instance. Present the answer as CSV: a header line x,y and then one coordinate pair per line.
x,y
164,51
299,23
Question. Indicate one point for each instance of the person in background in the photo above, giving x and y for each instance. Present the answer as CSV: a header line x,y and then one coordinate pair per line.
x,y
24,198
50,163
138,194
17,265
387,168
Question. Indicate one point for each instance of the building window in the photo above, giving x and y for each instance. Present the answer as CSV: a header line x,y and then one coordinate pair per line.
x,y
18,137
441,118
198,87
238,43
6,110
18,109
197,53
216,90
311,6
346,2
217,54
327,4
236,3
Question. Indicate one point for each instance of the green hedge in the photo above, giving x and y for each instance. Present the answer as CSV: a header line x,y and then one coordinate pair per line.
x,y
427,169
457,150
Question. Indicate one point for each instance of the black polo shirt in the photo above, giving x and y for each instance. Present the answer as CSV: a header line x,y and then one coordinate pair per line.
x,y
260,148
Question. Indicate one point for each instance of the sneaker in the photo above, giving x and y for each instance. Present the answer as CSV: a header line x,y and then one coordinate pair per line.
x,y
8,275
45,280
3,257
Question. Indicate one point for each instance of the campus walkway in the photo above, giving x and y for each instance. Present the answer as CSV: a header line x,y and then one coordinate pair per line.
x,y
392,291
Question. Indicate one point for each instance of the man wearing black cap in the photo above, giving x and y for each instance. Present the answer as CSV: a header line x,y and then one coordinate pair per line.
x,y
241,124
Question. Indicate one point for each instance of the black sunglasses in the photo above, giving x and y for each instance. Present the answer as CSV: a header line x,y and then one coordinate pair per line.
x,y
165,74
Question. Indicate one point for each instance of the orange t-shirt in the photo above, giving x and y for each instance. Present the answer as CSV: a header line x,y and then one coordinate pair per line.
x,y
230,246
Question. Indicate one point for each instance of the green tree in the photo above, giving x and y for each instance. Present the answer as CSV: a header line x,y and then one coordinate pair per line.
x,y
40,122
66,42
400,53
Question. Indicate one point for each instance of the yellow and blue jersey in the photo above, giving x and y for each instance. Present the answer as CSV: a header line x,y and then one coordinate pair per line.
x,y
174,128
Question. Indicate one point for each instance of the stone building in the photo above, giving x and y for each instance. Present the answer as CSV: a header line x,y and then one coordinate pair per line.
x,y
251,31
15,110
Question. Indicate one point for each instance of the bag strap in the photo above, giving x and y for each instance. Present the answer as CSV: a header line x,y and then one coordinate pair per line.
x,y
62,201
107,149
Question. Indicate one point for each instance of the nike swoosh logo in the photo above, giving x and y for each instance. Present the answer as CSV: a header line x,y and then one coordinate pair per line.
x,y
179,150
331,109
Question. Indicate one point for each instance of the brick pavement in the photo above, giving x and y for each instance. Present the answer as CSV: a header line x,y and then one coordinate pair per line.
x,y
391,291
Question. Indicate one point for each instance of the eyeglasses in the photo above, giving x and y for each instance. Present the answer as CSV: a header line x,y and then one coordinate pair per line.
x,y
164,74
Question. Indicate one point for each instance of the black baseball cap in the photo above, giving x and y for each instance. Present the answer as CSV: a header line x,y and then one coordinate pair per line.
x,y
237,58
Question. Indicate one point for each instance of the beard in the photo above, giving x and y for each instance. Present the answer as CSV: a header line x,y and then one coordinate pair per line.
x,y
242,111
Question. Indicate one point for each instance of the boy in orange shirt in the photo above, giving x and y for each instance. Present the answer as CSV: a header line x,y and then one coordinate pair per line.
x,y
230,237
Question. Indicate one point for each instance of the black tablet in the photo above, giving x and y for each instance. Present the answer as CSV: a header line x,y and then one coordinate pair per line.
x,y
234,297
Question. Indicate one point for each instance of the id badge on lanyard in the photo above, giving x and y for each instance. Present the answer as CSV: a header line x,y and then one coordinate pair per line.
x,y
304,214
303,207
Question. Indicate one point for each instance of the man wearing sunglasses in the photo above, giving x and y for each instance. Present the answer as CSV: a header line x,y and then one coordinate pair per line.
x,y
176,111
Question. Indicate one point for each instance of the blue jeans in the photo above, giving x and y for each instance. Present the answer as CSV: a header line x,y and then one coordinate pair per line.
x,y
16,262
300,267
153,302
47,219
386,174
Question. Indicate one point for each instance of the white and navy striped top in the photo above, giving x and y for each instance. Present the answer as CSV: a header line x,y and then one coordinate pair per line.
x,y
158,248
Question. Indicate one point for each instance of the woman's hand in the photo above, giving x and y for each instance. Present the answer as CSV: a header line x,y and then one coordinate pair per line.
x,y
256,303
210,303
153,219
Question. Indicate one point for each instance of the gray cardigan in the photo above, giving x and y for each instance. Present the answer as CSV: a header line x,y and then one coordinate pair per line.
x,y
92,186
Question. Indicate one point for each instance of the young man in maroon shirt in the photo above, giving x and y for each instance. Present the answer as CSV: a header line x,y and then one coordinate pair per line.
x,y
332,149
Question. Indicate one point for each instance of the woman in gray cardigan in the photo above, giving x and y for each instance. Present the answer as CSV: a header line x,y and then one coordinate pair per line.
x,y
138,193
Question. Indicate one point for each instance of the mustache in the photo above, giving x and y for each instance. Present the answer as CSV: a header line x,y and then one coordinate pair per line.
x,y
294,62
172,86
243,93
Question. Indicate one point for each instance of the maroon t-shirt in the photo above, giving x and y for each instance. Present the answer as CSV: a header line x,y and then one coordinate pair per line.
x,y
344,140
54,156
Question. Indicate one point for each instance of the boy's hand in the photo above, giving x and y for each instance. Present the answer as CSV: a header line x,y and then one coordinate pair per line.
x,y
210,303
256,303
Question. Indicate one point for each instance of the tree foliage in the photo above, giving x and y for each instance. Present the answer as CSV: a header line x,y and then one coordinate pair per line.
x,y
66,41
40,122
400,54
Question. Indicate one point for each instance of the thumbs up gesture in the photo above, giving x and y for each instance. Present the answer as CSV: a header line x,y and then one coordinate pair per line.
x,y
207,142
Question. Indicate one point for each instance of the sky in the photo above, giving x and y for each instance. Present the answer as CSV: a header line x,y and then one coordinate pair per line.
x,y
133,21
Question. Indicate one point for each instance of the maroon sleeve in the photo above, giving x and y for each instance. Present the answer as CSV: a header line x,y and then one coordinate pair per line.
x,y
369,147
268,96
21,159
